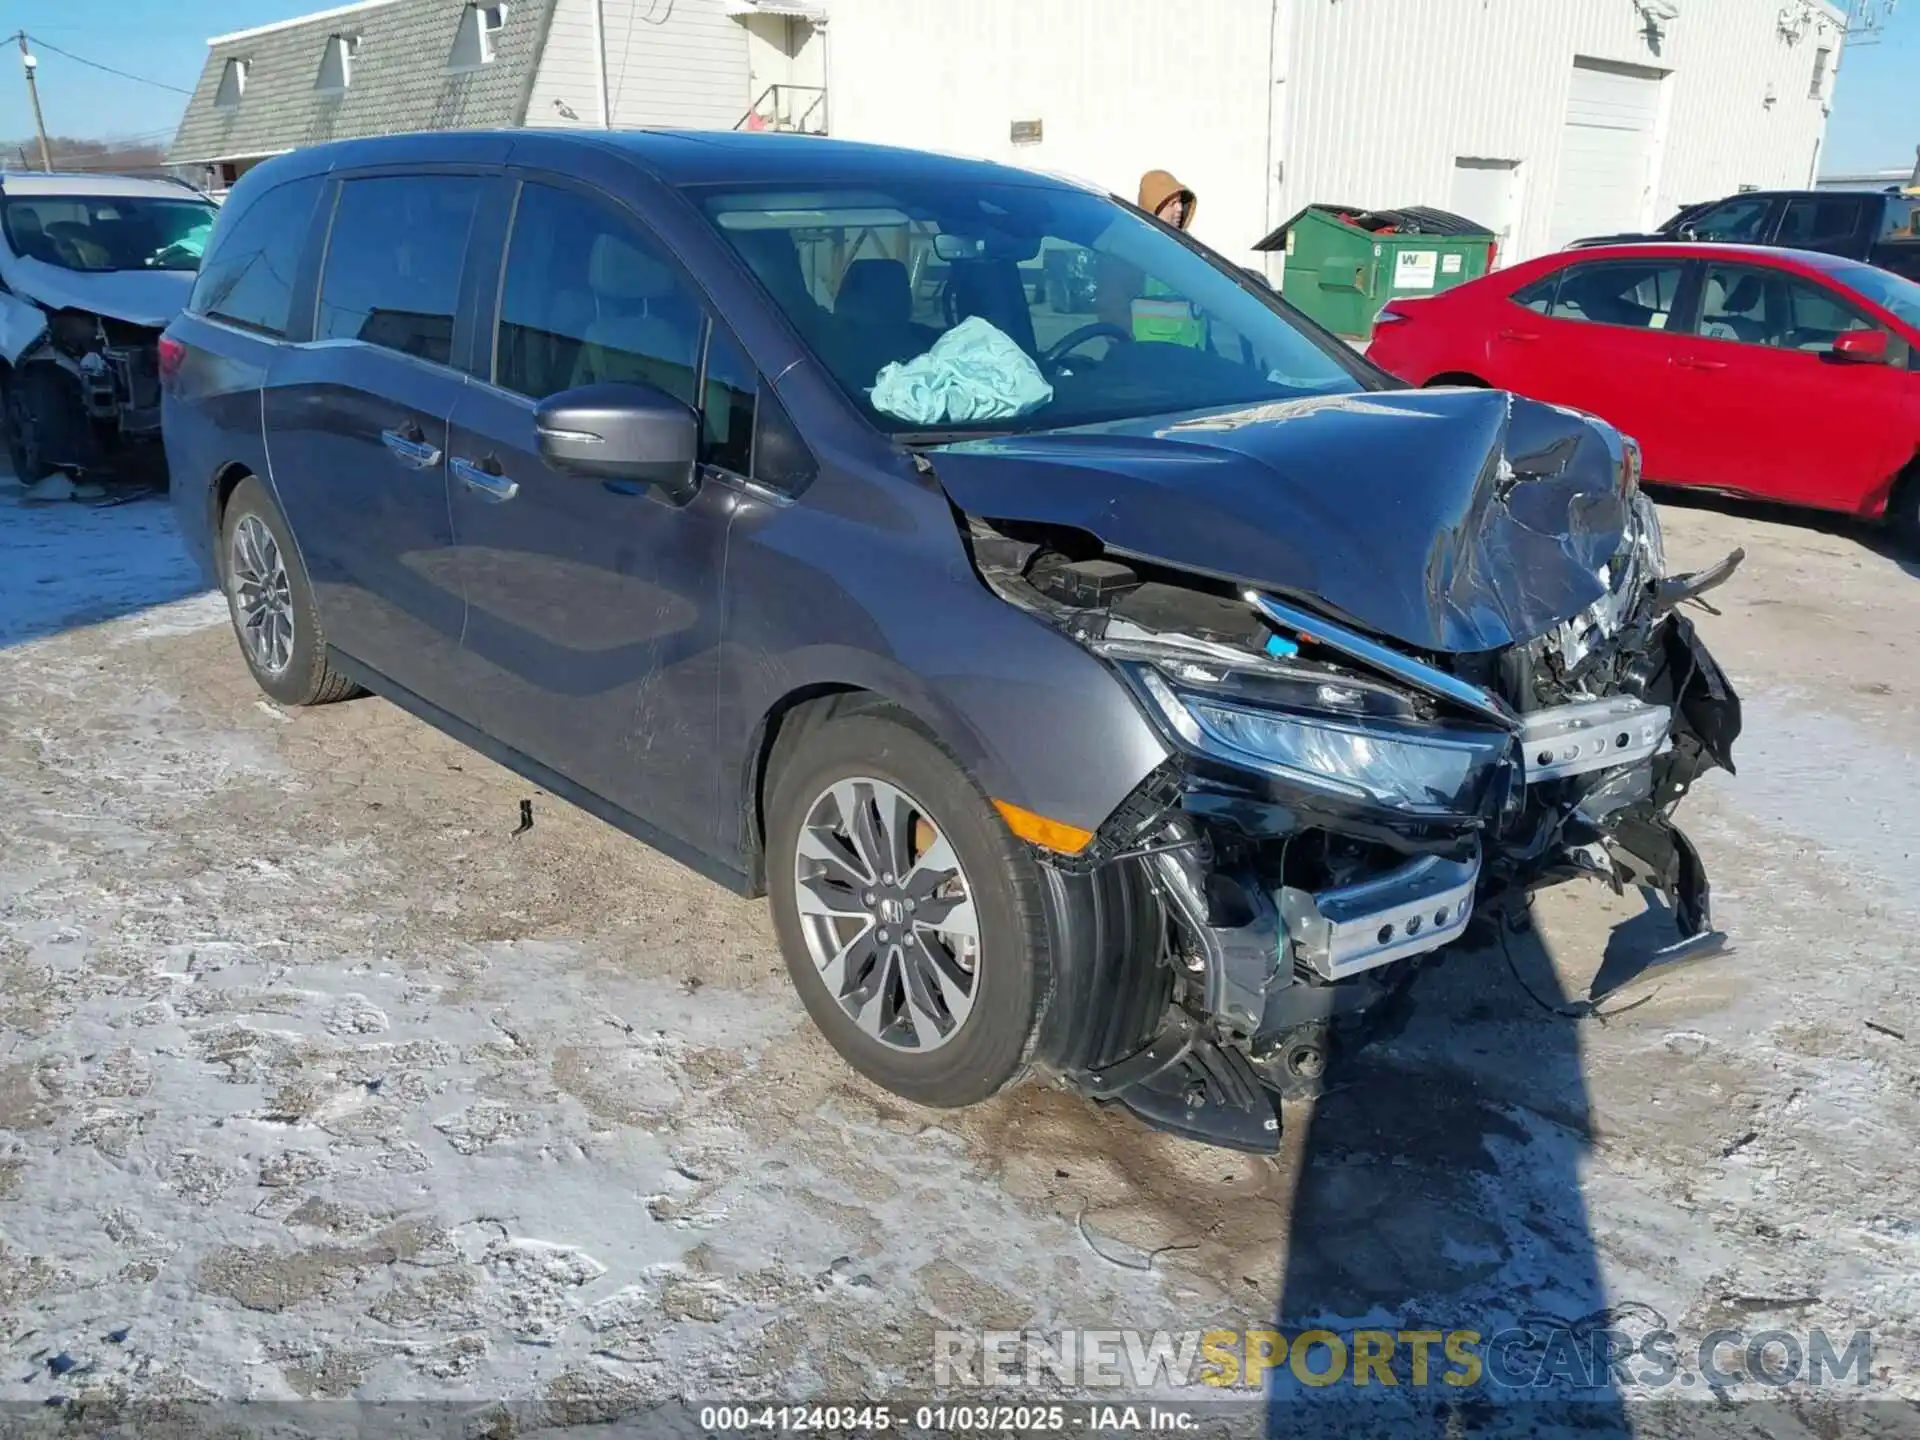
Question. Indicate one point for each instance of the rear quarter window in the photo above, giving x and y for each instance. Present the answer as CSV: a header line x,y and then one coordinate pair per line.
x,y
247,275
393,262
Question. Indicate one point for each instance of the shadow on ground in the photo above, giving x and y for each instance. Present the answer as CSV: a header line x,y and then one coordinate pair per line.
x,y
1439,1206
66,564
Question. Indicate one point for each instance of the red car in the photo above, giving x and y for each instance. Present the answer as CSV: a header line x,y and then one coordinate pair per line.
x,y
1774,373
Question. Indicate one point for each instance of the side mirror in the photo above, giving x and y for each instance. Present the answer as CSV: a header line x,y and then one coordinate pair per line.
x,y
1259,277
623,432
1687,232
1861,347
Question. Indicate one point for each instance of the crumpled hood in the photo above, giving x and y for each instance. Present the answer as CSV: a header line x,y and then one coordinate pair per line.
x,y
1450,520
140,297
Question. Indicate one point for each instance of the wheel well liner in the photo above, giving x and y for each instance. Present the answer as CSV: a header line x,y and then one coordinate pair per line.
x,y
773,738
807,706
225,482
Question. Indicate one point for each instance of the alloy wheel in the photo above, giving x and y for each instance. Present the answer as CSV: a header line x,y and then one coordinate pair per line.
x,y
262,595
888,914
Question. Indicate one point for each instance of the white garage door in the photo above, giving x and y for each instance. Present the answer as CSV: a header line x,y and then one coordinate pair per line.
x,y
1606,160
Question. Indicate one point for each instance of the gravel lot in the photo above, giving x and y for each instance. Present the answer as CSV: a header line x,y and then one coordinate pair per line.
x,y
317,1081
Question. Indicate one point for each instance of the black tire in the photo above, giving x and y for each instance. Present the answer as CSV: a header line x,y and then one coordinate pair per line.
x,y
992,1044
43,417
1903,511
307,678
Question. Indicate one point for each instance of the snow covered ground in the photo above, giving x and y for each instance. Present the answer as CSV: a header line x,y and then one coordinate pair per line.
x,y
318,1082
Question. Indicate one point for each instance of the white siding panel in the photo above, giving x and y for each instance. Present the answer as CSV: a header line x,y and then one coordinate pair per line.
x,y
1382,98
673,63
1119,87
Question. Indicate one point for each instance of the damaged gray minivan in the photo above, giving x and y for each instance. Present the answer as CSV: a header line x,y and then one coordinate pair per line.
x,y
92,267
1121,679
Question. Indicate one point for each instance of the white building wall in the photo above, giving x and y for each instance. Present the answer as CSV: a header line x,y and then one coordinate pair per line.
x,y
1385,96
676,63
785,50
1118,86
1264,106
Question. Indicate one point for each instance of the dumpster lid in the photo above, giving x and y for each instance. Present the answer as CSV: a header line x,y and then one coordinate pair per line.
x,y
1407,220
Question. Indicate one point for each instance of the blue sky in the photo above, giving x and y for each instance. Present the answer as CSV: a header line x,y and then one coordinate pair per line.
x,y
1876,119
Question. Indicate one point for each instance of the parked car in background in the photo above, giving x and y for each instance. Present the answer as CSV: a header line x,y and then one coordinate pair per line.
x,y
1880,227
1141,703
92,267
1669,231
1773,373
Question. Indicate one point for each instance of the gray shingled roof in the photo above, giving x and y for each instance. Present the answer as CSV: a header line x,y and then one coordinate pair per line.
x,y
400,80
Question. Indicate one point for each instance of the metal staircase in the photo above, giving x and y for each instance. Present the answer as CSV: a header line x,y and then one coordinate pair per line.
x,y
800,109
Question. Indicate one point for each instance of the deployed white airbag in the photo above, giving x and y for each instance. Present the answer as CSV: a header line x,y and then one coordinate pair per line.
x,y
973,372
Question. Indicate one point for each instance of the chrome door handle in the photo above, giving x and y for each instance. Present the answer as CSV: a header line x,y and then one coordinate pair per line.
x,y
412,449
489,485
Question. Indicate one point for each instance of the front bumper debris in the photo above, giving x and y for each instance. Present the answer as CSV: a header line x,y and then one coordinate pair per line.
x,y
1337,808
1419,907
1571,740
1326,965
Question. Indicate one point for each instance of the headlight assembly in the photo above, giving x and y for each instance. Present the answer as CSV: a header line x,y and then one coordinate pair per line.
x,y
1417,768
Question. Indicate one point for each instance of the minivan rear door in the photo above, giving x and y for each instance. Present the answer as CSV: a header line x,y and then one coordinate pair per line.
x,y
356,423
593,605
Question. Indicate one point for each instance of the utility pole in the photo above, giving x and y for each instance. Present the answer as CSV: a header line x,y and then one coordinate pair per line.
x,y
33,93
600,97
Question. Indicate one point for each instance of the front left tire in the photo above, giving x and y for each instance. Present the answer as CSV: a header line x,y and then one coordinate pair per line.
x,y
910,917
270,601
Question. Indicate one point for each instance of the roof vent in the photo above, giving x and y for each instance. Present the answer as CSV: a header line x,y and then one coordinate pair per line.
x,y
233,84
473,43
336,64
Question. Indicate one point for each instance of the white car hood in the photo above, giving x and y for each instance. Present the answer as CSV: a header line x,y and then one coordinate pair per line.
x,y
140,297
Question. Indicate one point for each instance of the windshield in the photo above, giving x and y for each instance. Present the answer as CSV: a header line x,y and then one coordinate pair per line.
x,y
1887,290
109,232
994,308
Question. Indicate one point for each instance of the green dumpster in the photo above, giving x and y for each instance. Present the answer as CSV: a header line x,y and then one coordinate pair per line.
x,y
1344,262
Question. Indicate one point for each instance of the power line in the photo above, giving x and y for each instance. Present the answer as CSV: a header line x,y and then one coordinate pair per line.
x,y
108,69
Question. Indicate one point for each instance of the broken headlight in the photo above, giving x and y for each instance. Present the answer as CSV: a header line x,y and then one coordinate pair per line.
x,y
1416,768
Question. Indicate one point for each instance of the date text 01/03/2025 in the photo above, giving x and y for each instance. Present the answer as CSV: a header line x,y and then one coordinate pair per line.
x,y
873,1418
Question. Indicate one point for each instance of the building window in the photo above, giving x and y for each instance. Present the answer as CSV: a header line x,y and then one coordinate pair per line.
x,y
233,84
336,64
473,45
1822,58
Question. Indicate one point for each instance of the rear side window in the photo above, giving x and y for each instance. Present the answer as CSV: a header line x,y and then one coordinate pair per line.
x,y
1903,220
247,276
393,263
1817,224
1735,222
1538,296
588,299
1637,294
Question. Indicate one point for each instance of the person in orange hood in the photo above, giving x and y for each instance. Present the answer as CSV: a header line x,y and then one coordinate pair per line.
x,y
1163,196
1136,303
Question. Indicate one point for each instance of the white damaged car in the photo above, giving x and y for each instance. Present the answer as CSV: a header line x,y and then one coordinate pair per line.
x,y
92,268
